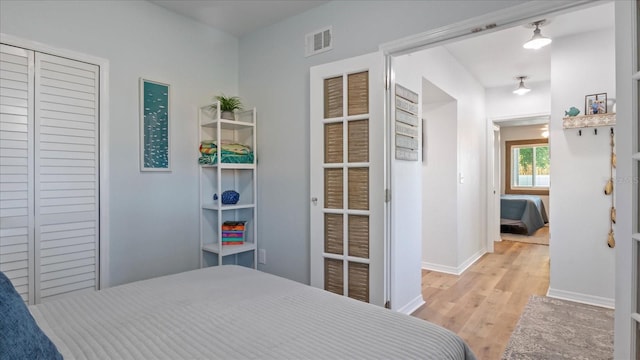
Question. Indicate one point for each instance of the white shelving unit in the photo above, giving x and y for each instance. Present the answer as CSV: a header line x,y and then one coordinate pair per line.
x,y
219,177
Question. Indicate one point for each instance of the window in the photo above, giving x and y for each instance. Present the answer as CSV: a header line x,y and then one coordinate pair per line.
x,y
527,167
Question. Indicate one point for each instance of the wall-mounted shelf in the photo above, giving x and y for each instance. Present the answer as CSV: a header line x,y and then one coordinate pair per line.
x,y
584,121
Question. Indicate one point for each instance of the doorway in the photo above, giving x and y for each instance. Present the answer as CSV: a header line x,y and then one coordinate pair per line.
x,y
524,166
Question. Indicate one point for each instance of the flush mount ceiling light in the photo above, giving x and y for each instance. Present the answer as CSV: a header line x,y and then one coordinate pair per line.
x,y
521,90
538,40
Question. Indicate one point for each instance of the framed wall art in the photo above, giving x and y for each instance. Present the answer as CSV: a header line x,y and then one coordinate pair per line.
x,y
595,104
155,135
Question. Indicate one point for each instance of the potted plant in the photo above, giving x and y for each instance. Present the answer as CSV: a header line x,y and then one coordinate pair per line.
x,y
228,104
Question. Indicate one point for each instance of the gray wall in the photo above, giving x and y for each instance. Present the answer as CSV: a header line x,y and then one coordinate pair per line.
x,y
153,216
274,76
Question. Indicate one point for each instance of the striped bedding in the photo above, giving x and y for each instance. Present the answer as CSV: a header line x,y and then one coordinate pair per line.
x,y
231,312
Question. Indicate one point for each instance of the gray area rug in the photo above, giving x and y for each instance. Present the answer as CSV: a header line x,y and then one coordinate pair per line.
x,y
557,329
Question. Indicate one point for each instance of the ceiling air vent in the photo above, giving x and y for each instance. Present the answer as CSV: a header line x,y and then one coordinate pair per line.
x,y
318,42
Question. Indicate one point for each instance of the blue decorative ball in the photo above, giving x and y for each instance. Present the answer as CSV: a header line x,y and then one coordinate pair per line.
x,y
230,197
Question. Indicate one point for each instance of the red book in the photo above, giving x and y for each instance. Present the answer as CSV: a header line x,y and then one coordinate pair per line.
x,y
233,227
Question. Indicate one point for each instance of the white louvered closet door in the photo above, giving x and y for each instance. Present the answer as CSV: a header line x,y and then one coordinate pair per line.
x,y
16,169
66,176
49,193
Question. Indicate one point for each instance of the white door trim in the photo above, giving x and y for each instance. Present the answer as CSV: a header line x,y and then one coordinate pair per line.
x,y
626,185
104,136
493,185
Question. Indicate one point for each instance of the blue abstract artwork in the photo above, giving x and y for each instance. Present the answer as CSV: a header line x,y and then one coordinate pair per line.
x,y
154,130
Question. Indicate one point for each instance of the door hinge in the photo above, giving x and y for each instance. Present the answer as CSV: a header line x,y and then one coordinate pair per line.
x,y
387,195
387,305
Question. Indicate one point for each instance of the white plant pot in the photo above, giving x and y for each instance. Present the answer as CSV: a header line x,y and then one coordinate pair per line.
x,y
228,115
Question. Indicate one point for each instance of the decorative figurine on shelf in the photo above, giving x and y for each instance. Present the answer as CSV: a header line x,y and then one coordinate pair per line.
x,y
229,197
572,111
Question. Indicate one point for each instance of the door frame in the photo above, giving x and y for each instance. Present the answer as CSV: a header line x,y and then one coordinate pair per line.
x,y
495,21
627,187
103,64
493,184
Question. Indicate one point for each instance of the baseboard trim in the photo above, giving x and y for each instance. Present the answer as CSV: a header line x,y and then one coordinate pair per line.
x,y
582,298
454,270
471,260
440,268
412,306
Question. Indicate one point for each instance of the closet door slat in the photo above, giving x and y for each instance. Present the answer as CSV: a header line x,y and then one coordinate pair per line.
x,y
66,176
16,169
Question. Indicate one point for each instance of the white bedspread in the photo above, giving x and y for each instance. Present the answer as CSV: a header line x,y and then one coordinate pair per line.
x,y
231,312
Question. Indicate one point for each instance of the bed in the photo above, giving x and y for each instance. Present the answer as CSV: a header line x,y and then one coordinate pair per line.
x,y
522,214
232,312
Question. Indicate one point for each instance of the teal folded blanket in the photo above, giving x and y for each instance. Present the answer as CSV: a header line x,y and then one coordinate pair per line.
x,y
227,158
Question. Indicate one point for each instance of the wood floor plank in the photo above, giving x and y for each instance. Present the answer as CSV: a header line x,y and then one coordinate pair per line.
x,y
483,304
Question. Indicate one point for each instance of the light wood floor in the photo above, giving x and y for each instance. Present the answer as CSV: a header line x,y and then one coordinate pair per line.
x,y
484,304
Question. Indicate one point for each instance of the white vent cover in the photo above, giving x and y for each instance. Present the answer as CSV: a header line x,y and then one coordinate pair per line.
x,y
318,41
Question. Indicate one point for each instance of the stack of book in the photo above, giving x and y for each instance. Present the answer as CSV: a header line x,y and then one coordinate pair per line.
x,y
233,233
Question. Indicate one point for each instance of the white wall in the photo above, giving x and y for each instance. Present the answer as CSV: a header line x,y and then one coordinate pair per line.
x,y
406,216
440,184
582,266
444,71
282,97
153,216
502,103
511,133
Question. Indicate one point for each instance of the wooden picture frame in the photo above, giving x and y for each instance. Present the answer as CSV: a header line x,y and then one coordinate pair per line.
x,y
155,129
595,104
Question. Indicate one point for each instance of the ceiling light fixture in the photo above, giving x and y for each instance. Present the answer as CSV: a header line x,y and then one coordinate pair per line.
x,y
521,90
538,40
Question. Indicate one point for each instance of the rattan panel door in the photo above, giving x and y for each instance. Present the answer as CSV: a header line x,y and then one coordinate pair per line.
x,y
347,162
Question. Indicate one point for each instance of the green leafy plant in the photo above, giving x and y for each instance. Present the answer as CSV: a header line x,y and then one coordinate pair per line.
x,y
227,103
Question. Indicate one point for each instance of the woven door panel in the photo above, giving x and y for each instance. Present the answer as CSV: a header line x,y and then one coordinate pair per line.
x,y
358,141
334,276
333,188
333,150
359,236
333,233
358,93
333,97
359,281
358,188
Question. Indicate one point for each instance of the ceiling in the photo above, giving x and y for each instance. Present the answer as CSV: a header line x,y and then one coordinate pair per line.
x,y
238,17
496,58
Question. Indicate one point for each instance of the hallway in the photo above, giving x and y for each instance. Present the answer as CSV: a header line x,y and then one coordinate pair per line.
x,y
483,304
